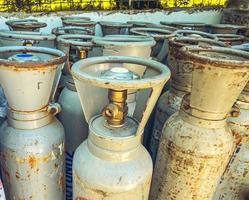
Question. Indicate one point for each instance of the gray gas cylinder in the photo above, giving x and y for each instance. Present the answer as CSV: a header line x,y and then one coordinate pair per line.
x,y
31,139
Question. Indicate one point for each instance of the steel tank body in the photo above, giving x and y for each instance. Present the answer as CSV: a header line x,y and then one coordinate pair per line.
x,y
81,23
124,168
235,180
32,161
77,47
25,38
170,101
196,142
31,139
161,36
76,129
121,168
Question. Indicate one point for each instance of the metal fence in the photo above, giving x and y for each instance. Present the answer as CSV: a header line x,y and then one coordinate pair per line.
x,y
59,5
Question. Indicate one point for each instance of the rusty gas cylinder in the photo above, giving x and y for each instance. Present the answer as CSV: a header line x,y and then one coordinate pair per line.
x,y
181,78
196,142
234,183
120,167
31,139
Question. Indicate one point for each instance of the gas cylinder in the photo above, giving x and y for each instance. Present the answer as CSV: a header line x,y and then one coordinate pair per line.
x,y
26,38
71,30
225,28
170,101
136,24
74,18
26,25
231,39
77,47
161,36
81,23
194,33
31,139
198,26
121,168
234,182
196,142
113,28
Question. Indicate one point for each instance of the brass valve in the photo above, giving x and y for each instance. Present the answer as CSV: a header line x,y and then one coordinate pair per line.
x,y
28,43
116,111
82,53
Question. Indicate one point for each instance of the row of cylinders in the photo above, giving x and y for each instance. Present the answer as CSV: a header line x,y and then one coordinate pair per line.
x,y
192,71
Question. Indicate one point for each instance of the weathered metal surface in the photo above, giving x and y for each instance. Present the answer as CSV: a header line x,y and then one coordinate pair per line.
x,y
33,165
86,24
167,105
225,28
186,25
112,28
25,25
71,30
116,153
231,39
31,139
191,158
77,18
113,148
196,143
194,33
234,183
181,80
26,38
76,130
161,36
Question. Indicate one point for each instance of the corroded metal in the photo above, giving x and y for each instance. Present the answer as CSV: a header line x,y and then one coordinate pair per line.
x,y
161,36
194,33
112,28
225,28
115,151
181,80
231,39
22,38
25,25
31,139
198,26
233,184
196,142
86,24
75,18
76,130
71,30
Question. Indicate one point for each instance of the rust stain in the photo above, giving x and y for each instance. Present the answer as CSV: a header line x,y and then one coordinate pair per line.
x,y
33,161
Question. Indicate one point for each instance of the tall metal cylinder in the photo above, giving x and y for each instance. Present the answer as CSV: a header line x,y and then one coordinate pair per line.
x,y
121,168
77,47
181,79
31,139
234,183
196,142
